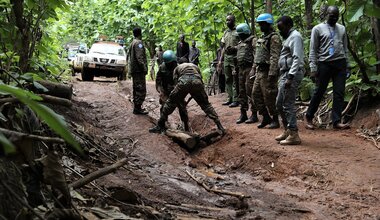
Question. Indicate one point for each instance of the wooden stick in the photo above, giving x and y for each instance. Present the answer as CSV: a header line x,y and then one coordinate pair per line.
x,y
236,194
31,136
349,104
99,173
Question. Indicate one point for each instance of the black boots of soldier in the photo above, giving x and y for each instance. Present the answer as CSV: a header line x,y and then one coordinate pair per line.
x,y
252,119
243,116
137,110
275,123
159,128
267,120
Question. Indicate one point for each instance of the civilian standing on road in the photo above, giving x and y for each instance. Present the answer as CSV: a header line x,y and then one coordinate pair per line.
x,y
138,69
291,66
183,49
194,54
230,39
159,55
328,59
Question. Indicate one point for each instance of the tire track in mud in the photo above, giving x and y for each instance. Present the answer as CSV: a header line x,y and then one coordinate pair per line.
x,y
283,183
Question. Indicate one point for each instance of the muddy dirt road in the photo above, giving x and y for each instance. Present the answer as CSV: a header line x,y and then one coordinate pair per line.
x,y
332,175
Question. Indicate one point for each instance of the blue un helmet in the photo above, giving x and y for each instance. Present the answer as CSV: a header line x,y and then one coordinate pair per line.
x,y
169,56
266,17
243,29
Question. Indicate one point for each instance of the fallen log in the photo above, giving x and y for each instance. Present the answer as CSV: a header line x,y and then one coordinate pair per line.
x,y
186,138
57,89
192,141
99,173
20,135
45,98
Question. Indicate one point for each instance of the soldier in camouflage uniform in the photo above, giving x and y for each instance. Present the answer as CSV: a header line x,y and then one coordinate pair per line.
x,y
165,84
188,80
230,39
244,62
138,68
267,51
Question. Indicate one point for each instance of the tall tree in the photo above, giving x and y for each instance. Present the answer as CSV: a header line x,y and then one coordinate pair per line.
x,y
376,34
269,6
309,14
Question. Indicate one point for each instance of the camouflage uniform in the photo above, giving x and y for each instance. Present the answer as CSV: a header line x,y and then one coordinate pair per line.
x,y
188,80
164,85
138,68
244,62
231,39
267,51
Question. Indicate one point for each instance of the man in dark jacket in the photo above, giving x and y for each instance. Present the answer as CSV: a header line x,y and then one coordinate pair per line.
x,y
183,48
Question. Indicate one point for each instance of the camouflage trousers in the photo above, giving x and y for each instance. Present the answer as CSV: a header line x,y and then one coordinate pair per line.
x,y
264,92
164,96
243,90
193,85
139,89
249,89
232,81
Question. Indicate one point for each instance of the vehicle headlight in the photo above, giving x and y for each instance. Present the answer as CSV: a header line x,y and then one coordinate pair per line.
x,y
121,62
87,58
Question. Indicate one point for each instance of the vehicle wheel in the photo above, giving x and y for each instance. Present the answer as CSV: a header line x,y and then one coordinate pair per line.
x,y
122,76
72,71
87,75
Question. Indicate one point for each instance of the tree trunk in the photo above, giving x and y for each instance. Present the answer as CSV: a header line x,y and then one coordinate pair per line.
x,y
376,34
269,6
253,17
22,47
309,14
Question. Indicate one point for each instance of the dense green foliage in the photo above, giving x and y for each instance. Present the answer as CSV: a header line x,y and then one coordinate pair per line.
x,y
203,21
29,52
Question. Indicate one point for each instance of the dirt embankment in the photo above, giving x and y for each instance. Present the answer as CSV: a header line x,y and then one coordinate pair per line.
x,y
332,175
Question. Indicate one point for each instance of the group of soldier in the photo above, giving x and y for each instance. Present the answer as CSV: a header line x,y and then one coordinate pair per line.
x,y
261,72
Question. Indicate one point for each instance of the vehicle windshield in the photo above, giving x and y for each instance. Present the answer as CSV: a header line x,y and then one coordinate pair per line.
x,y
107,49
72,52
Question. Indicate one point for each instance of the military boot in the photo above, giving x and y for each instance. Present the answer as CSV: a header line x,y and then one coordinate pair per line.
x,y
292,139
159,128
266,120
282,136
243,116
275,123
220,127
137,110
252,119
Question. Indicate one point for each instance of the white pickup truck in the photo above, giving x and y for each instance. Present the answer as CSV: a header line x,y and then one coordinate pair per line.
x,y
107,59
